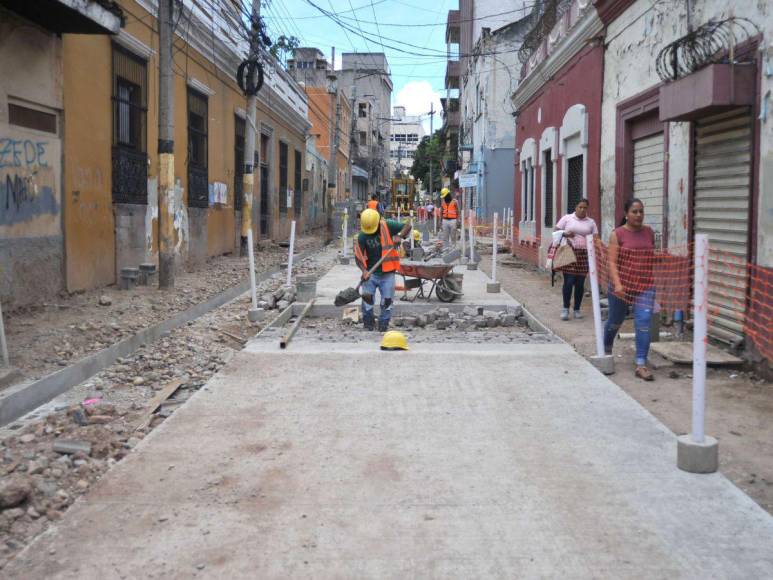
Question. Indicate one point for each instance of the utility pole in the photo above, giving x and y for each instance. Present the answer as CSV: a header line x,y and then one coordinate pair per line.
x,y
431,135
166,245
332,167
250,132
353,129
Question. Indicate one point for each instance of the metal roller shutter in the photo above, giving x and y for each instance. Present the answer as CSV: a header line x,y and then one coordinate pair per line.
x,y
722,192
648,181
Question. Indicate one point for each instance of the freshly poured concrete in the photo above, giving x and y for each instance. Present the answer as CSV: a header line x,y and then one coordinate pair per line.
x,y
492,462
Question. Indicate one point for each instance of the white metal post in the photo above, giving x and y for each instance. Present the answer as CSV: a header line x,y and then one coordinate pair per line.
x,y
700,307
398,213
464,247
292,251
434,216
494,253
593,274
3,343
411,234
346,232
472,239
251,253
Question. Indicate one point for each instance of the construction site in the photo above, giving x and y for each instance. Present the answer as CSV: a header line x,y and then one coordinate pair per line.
x,y
262,431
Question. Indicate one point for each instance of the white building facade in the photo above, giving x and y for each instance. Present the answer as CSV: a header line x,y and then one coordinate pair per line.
x,y
407,133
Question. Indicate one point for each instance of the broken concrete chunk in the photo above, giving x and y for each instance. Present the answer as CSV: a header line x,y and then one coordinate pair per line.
x,y
442,323
72,446
13,492
421,321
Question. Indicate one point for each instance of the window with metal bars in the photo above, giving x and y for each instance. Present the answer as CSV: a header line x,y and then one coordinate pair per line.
x,y
283,177
198,173
574,182
298,199
129,152
548,187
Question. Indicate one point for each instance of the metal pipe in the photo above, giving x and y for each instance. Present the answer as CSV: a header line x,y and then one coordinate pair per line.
x,y
346,231
294,328
494,250
251,253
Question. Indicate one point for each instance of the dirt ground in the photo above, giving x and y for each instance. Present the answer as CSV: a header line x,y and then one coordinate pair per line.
x,y
56,334
739,405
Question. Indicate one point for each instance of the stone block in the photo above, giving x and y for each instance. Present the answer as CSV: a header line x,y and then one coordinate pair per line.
x,y
493,288
442,323
472,265
72,446
508,320
344,261
452,256
697,457
443,313
254,314
480,322
129,278
398,321
421,321
516,311
470,311
492,321
409,321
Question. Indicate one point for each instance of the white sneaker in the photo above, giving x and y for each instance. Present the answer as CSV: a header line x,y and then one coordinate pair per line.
x,y
564,314
578,315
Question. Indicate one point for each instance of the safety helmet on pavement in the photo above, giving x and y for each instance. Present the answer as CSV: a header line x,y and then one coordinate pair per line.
x,y
369,220
394,340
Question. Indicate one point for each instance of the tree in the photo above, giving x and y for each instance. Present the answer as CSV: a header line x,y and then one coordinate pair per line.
x,y
283,46
430,150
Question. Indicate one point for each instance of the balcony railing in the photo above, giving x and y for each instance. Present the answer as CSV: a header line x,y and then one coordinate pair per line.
x,y
453,28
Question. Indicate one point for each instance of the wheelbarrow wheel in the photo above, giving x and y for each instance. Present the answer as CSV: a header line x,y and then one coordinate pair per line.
x,y
443,293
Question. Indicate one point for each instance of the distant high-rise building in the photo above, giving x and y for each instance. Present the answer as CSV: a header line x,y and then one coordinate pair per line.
x,y
407,133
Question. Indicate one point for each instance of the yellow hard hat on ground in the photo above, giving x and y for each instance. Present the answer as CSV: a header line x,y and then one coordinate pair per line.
x,y
369,220
444,192
394,340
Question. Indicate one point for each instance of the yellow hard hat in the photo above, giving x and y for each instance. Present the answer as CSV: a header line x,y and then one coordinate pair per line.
x,y
369,220
394,340
416,235
444,192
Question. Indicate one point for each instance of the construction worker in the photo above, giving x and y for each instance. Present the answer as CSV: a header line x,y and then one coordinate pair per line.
x,y
450,215
374,203
378,238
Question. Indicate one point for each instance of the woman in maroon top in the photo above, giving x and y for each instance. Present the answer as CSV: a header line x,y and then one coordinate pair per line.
x,y
632,284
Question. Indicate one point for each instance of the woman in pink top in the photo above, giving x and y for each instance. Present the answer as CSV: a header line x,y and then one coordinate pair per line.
x,y
576,226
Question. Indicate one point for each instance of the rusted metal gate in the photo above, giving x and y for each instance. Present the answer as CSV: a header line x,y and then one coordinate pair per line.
x,y
721,203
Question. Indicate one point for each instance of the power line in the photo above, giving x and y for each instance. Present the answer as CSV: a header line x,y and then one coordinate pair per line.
x,y
378,29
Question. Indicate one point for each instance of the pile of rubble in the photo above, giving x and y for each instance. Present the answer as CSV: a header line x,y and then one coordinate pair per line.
x,y
51,336
470,318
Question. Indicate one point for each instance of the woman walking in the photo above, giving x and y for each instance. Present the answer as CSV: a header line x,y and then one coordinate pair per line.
x,y
632,283
576,226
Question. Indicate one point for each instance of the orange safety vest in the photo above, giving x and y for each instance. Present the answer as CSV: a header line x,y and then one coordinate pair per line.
x,y
392,261
372,204
450,210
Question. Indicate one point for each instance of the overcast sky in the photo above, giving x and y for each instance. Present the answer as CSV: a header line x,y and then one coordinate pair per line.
x,y
418,80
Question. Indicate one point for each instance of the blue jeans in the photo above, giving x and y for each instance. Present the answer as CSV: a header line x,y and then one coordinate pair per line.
x,y
385,283
573,283
643,305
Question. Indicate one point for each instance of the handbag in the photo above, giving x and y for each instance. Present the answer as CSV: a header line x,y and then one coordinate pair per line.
x,y
564,256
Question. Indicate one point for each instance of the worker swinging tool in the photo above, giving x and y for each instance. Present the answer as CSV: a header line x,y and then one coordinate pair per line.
x,y
377,244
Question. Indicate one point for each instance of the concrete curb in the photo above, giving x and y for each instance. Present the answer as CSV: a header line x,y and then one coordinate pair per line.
x,y
20,399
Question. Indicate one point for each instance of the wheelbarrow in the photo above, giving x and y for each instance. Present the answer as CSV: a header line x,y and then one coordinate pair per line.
x,y
442,281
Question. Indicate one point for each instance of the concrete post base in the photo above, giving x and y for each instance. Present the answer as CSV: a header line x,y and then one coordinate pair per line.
x,y
472,265
344,261
253,314
604,363
697,457
493,287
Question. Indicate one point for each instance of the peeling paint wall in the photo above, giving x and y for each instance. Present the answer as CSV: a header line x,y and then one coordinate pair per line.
x,y
633,43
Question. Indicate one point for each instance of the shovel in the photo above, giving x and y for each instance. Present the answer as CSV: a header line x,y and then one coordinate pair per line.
x,y
352,294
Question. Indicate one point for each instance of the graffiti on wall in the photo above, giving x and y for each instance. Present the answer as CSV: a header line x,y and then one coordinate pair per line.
x,y
27,181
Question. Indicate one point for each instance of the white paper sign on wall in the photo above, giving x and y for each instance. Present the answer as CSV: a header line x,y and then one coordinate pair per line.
x,y
468,180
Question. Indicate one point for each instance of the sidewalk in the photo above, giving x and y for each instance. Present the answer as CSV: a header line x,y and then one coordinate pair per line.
x,y
739,406
461,461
